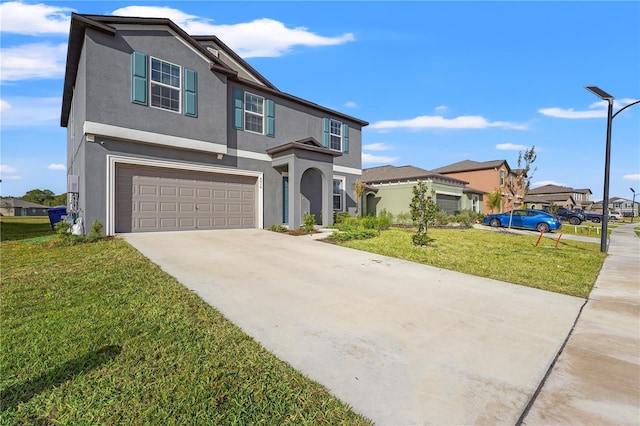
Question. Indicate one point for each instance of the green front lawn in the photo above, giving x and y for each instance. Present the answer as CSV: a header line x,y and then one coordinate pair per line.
x,y
571,268
96,334
21,227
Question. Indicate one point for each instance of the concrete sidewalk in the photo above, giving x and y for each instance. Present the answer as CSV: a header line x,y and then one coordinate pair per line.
x,y
596,379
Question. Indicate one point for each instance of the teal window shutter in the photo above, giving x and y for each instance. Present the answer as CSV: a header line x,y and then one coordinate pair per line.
x,y
238,106
190,93
139,78
325,132
271,123
345,138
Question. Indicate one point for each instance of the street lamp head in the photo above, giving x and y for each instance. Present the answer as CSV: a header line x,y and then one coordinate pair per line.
x,y
599,93
632,190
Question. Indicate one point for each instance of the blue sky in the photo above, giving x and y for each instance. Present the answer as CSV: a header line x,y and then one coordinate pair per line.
x,y
439,82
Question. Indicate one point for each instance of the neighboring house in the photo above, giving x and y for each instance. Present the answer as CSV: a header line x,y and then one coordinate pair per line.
x,y
488,176
628,208
18,207
559,200
167,131
391,188
565,196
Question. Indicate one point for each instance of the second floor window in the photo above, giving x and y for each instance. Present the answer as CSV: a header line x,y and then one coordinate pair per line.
x,y
335,135
253,113
165,85
501,177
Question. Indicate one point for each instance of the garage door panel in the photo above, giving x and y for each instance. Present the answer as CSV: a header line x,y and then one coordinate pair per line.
x,y
156,199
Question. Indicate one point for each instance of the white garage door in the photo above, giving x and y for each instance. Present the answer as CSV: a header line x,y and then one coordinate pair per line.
x,y
154,199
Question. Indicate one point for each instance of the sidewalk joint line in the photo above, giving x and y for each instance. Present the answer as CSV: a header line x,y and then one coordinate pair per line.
x,y
526,410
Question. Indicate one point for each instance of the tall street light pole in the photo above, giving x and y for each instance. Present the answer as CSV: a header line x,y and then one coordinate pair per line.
x,y
607,164
607,161
633,204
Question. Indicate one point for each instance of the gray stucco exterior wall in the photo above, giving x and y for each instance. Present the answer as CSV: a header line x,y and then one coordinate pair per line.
x,y
102,100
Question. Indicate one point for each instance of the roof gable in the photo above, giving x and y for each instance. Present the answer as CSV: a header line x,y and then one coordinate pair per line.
x,y
470,165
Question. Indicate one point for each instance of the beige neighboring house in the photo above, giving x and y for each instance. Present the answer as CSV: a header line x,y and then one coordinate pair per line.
x,y
563,196
488,176
17,207
391,188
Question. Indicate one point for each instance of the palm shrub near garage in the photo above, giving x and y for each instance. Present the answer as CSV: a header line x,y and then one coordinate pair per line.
x,y
424,211
309,222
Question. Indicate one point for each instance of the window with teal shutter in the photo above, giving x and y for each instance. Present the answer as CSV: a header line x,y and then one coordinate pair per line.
x,y
190,93
345,138
325,132
139,78
271,111
238,99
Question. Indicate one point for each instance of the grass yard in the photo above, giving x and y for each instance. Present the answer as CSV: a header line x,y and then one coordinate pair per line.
x,y
21,227
570,269
96,334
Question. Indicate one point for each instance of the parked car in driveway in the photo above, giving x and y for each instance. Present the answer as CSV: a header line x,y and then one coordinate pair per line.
x,y
615,216
526,219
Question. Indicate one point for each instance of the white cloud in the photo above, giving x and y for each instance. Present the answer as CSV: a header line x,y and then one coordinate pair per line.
x,y
378,146
351,104
441,108
13,177
7,169
56,167
34,19
598,110
376,159
32,61
4,105
570,113
546,182
439,122
511,147
632,177
258,38
26,111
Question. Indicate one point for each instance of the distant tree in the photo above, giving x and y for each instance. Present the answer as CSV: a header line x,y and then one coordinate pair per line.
x,y
39,196
523,176
423,213
494,200
59,200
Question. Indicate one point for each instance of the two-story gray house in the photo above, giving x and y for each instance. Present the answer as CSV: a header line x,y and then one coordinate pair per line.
x,y
168,131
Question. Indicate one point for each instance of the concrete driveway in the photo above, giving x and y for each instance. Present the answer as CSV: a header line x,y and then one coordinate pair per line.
x,y
401,343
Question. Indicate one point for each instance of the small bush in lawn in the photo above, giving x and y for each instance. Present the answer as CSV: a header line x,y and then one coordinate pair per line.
x,y
278,228
385,219
341,217
369,222
403,218
96,233
348,223
357,234
308,222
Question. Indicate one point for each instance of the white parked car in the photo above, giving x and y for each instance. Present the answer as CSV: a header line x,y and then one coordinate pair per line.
x,y
615,216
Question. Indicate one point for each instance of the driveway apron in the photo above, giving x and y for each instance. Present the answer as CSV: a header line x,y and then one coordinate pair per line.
x,y
401,343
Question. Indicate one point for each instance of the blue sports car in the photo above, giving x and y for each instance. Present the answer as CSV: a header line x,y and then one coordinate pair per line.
x,y
525,218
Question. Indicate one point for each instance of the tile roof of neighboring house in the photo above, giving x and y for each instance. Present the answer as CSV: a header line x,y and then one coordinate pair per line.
x,y
556,189
536,199
468,189
469,166
551,197
403,173
19,203
105,24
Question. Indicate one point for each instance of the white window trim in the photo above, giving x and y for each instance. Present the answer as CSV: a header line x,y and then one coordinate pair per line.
x,y
343,182
179,88
331,120
245,112
112,160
